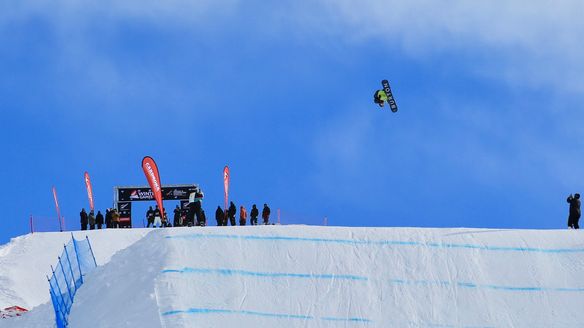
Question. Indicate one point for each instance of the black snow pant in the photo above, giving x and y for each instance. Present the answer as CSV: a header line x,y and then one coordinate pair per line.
x,y
573,222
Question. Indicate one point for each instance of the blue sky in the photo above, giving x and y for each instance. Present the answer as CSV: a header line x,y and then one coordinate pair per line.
x,y
488,133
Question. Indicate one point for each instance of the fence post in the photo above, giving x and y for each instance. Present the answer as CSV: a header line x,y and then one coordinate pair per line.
x,y
59,288
56,306
77,254
60,316
70,267
31,225
91,249
66,280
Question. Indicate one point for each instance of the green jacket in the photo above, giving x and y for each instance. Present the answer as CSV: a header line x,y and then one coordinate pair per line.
x,y
380,94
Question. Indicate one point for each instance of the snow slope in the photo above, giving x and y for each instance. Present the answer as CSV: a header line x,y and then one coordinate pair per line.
x,y
25,261
300,276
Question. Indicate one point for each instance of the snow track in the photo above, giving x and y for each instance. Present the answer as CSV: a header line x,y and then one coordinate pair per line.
x,y
299,276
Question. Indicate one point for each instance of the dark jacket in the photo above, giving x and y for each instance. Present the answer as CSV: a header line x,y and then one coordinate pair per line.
x,y
108,218
266,212
99,218
574,207
91,218
232,210
83,216
219,215
254,212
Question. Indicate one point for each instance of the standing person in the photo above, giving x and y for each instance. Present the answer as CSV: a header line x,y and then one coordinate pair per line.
x,y
108,218
99,219
165,222
254,215
231,213
176,218
219,216
83,216
194,207
184,217
574,216
115,218
91,220
198,206
242,215
157,218
150,217
266,214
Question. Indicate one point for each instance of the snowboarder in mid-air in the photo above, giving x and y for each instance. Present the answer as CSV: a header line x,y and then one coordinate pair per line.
x,y
384,95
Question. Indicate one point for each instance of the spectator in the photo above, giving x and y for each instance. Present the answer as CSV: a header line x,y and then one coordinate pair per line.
x,y
231,213
184,217
91,220
108,218
157,218
165,222
574,216
225,217
254,215
115,218
196,207
242,215
266,214
176,218
99,219
219,216
83,216
191,214
150,217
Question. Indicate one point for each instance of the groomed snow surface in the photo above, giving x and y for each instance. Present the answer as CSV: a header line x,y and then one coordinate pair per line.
x,y
301,276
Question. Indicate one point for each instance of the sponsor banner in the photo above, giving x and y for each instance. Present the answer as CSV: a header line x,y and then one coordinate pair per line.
x,y
125,211
153,177
89,191
58,210
144,194
226,183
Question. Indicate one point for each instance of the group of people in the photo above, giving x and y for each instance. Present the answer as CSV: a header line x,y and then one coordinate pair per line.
x,y
157,219
195,216
223,216
111,219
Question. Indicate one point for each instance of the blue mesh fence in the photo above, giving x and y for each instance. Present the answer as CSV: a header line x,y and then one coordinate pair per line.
x,y
75,262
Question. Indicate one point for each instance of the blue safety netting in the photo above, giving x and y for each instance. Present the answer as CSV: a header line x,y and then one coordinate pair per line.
x,y
67,276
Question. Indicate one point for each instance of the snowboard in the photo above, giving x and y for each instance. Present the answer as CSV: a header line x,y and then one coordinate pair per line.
x,y
390,100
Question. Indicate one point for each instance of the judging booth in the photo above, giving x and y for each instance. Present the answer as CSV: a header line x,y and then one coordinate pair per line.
x,y
125,195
